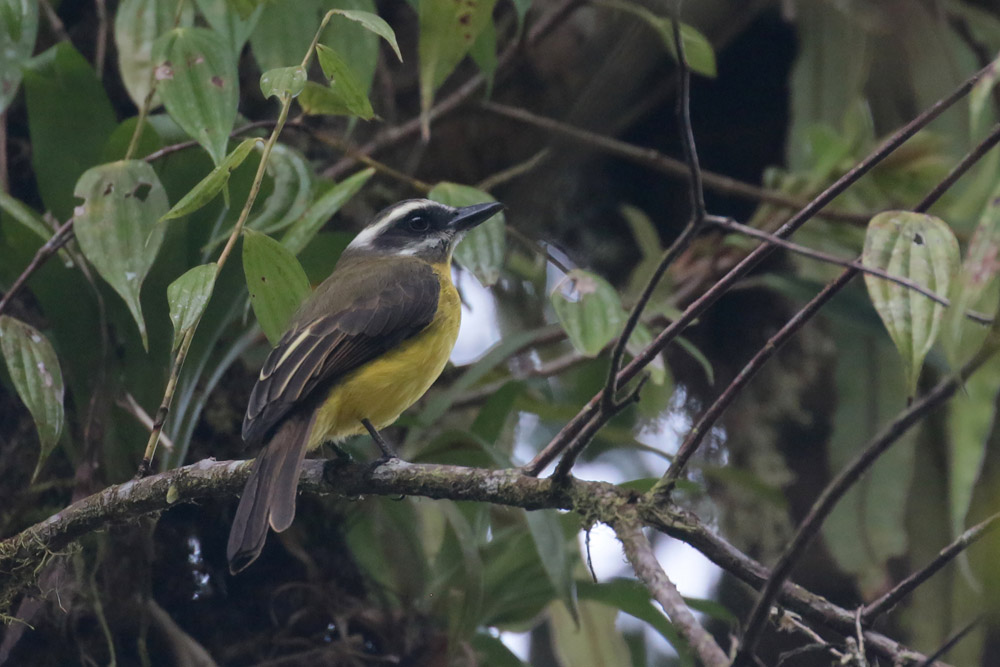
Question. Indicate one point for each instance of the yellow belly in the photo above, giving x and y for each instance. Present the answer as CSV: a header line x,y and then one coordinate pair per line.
x,y
383,388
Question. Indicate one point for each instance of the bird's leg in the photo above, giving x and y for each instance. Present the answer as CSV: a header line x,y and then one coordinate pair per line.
x,y
387,452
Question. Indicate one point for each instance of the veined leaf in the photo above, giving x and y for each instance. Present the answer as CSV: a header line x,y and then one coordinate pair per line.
x,y
18,28
448,29
374,23
212,184
283,82
34,370
356,44
304,229
319,100
483,248
116,226
276,282
230,20
923,249
188,296
589,309
138,23
291,190
343,83
199,85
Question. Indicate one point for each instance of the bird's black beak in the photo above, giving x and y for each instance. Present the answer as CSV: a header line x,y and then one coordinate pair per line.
x,y
468,217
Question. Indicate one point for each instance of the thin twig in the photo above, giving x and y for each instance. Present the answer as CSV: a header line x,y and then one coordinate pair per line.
x,y
640,555
885,603
836,489
101,47
665,164
49,248
721,286
394,135
4,173
696,197
58,27
343,146
536,247
128,403
974,156
514,171
732,225
950,643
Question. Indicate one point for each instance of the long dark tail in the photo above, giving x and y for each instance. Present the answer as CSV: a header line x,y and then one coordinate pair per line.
x,y
269,495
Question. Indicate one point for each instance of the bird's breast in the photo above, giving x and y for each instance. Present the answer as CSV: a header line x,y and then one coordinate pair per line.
x,y
383,388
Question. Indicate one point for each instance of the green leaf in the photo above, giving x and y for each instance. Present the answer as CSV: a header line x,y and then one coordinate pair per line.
x,y
923,249
319,100
25,215
116,226
493,652
483,248
283,82
304,229
18,28
547,534
199,85
284,32
633,598
188,296
639,340
589,310
34,370
212,184
138,24
975,288
484,54
357,45
374,23
448,29
66,138
343,83
235,23
697,49
593,642
245,7
275,280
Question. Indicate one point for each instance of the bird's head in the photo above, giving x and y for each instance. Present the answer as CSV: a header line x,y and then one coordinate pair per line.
x,y
419,228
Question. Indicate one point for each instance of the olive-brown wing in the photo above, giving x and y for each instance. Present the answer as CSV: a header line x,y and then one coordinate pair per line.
x,y
357,314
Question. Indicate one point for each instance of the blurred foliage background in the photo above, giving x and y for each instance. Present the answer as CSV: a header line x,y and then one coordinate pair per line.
x,y
515,101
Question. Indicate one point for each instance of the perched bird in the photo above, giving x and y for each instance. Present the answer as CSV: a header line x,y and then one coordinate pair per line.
x,y
363,347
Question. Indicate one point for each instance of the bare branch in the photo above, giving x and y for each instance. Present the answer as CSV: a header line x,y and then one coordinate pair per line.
x,y
836,489
640,555
721,286
974,156
61,236
885,603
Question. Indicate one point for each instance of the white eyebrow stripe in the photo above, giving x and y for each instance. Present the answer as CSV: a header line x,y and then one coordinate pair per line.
x,y
372,231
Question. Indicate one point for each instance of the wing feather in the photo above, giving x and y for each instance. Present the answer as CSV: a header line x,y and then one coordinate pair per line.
x,y
370,307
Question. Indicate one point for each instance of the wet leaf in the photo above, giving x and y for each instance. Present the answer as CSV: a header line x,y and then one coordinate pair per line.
x,y
275,280
116,226
697,49
211,185
18,28
447,32
589,309
283,82
199,86
483,248
34,370
923,249
343,83
321,210
138,24
188,296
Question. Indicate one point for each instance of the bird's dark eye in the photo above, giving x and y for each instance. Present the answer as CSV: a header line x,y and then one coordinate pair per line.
x,y
418,223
